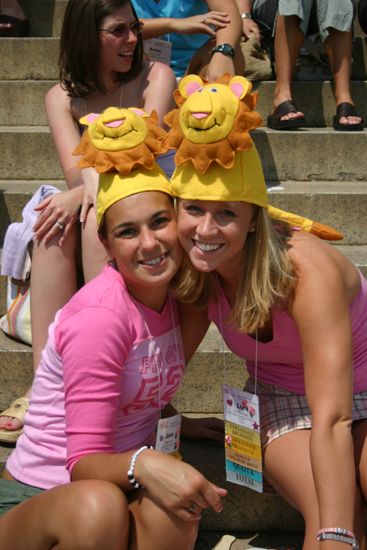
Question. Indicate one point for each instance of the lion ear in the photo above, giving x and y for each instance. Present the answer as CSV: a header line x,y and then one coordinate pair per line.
x,y
88,119
138,111
190,84
240,86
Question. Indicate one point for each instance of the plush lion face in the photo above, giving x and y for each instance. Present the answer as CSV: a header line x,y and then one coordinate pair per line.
x,y
116,129
210,110
213,120
120,140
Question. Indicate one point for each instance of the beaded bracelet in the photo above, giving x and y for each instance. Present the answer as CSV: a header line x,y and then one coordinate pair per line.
x,y
337,531
339,538
131,470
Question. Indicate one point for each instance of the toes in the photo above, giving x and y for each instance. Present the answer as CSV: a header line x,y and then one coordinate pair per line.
x,y
9,423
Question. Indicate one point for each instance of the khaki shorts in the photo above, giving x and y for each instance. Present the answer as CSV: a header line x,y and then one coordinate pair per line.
x,y
335,14
13,493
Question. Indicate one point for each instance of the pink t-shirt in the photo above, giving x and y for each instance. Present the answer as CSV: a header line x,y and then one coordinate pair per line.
x,y
280,361
97,388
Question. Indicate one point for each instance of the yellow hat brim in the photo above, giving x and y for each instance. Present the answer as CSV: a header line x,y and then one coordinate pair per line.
x,y
114,187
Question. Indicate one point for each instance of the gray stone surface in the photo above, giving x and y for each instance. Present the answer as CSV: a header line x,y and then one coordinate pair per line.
x,y
320,111
311,154
22,102
29,58
244,509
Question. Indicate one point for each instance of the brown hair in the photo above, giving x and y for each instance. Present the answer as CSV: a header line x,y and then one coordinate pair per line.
x,y
80,44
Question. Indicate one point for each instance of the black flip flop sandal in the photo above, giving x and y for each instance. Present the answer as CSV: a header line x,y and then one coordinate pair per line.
x,y
284,108
343,110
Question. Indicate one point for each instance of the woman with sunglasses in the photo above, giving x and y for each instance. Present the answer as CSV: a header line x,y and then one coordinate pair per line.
x,y
113,361
101,65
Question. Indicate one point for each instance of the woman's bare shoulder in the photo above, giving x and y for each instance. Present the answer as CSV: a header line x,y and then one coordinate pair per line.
x,y
319,260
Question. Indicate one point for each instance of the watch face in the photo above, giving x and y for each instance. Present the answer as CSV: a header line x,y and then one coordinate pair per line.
x,y
225,49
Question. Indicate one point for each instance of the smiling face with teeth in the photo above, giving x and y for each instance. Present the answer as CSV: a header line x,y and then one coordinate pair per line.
x,y
116,53
141,237
213,233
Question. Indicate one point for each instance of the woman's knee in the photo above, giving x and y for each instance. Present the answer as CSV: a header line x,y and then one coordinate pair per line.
x,y
99,516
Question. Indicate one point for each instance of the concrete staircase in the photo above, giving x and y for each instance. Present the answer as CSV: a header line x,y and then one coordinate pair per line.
x,y
316,172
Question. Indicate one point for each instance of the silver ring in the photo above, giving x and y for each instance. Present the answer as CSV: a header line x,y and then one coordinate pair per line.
x,y
192,507
60,226
203,19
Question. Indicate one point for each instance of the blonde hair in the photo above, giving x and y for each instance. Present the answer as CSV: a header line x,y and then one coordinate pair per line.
x,y
267,280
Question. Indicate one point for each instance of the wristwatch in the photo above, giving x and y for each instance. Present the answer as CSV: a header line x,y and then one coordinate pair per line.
x,y
246,15
225,49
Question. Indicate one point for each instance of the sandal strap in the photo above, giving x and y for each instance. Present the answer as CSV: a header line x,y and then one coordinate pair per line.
x,y
346,109
285,108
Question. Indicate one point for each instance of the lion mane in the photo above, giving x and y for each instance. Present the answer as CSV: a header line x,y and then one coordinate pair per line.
x,y
124,160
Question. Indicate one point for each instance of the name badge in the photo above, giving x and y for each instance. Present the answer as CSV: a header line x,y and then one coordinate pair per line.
x,y
168,434
242,438
158,50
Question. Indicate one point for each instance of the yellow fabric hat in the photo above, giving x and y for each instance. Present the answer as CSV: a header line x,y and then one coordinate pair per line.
x,y
216,158
243,182
114,187
121,144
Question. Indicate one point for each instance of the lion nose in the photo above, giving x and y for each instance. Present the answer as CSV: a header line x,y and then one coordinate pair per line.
x,y
200,115
115,123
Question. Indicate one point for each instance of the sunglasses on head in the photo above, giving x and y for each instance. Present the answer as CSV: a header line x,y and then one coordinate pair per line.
x,y
122,29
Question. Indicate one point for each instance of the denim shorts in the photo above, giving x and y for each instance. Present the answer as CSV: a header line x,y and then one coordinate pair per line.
x,y
13,493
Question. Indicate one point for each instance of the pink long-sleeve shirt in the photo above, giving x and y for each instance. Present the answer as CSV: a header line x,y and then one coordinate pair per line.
x,y
109,366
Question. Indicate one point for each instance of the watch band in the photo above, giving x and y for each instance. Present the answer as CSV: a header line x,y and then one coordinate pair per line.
x,y
246,15
225,49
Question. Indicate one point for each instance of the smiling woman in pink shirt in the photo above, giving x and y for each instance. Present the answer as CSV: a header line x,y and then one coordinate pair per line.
x,y
112,363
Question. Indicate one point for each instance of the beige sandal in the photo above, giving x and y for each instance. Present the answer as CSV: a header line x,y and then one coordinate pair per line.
x,y
17,409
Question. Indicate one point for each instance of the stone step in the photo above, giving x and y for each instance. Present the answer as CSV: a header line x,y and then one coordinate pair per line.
x,y
29,58
35,57
308,154
314,98
13,197
45,16
332,203
22,101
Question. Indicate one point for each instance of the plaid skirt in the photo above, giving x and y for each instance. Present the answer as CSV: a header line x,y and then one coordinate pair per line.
x,y
282,411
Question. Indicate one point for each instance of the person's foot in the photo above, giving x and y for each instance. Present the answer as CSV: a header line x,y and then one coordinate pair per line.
x,y
12,419
280,100
347,118
286,117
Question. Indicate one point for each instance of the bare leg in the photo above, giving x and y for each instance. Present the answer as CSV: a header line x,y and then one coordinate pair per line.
x,y
288,468
94,254
339,49
13,8
53,282
82,515
360,448
288,41
154,528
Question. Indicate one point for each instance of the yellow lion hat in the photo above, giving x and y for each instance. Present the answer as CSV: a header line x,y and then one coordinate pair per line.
x,y
121,144
216,158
